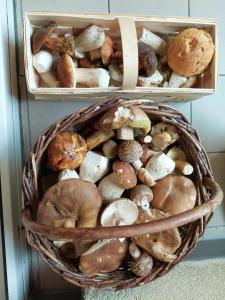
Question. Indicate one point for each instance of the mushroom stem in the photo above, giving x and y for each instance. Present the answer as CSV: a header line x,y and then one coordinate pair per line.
x,y
92,77
154,79
125,133
144,139
137,164
184,167
135,252
177,80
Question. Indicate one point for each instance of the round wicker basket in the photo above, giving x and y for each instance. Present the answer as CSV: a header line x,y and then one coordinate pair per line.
x,y
191,223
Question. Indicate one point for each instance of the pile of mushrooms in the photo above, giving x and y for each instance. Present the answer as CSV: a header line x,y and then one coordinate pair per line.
x,y
93,57
126,171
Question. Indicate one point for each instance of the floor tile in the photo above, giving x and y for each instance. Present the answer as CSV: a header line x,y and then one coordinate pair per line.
x,y
212,9
208,117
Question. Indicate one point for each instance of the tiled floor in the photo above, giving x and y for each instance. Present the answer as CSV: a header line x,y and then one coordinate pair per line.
x,y
206,114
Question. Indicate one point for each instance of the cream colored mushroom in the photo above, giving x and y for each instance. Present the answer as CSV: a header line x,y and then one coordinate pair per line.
x,y
153,80
180,159
43,61
50,79
68,174
161,141
94,167
164,127
109,188
91,38
135,252
98,137
115,73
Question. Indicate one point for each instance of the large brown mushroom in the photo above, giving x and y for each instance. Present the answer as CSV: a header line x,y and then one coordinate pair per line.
x,y
125,174
147,58
40,36
66,151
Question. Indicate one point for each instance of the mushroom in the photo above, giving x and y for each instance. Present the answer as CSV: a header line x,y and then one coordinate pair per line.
x,y
184,167
125,174
154,41
145,155
154,80
104,256
98,137
141,195
66,151
177,80
145,177
179,157
39,37
109,188
115,73
94,167
147,58
43,61
85,63
164,127
124,119
122,211
107,49
174,194
68,174
110,149
144,138
161,141
135,252
95,54
69,75
91,38
70,203
62,44
191,81
176,153
50,79
130,151
142,266
161,245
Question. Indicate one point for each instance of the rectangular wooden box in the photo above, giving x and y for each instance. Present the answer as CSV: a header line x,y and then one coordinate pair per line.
x,y
126,25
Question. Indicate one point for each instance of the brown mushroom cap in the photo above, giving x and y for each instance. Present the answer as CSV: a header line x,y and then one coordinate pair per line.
x,y
145,155
190,52
125,174
39,37
107,49
105,256
141,191
66,71
147,58
70,203
66,151
130,151
161,245
174,194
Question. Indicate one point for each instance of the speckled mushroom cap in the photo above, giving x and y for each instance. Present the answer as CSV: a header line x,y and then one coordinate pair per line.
x,y
190,52
130,151
125,174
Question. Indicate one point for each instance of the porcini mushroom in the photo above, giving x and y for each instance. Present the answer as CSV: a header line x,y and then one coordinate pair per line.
x,y
109,188
124,119
177,80
180,159
141,195
70,203
91,38
130,151
94,167
104,256
66,151
161,245
110,149
39,37
120,212
115,73
142,266
154,80
163,127
145,177
135,252
125,174
42,61
174,194
161,141
107,49
68,174
50,79
61,44
98,137
147,58
176,153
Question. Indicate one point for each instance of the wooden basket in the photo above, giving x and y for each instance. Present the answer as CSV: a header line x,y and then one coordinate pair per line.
x,y
191,223
127,26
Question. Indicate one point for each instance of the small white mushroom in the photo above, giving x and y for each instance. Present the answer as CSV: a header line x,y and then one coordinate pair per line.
x,y
91,38
115,73
67,174
159,166
152,80
120,212
42,61
144,139
180,159
94,167
109,188
176,80
154,41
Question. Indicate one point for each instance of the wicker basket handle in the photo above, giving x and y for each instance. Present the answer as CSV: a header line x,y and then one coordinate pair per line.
x,y
130,52
54,233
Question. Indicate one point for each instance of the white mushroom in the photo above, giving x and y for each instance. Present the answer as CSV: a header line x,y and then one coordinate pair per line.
x,y
91,38
94,167
109,188
42,61
154,41
176,80
120,212
184,167
159,166
141,195
152,80
115,73
180,159
67,174
92,77
50,79
135,252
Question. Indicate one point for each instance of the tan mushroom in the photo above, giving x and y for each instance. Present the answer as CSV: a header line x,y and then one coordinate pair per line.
x,y
161,245
164,127
107,50
66,151
141,195
161,141
130,151
91,38
110,149
125,174
39,37
105,256
180,159
98,137
174,194
147,58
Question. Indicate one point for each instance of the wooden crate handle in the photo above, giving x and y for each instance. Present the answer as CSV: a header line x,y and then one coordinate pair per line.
x,y
56,233
130,52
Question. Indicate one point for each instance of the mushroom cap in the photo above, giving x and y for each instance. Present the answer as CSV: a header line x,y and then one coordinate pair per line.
x,y
164,127
121,116
62,44
161,245
91,38
176,153
141,191
120,212
39,37
125,174
130,151
66,151
70,203
190,52
104,256
174,194
147,58
66,71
